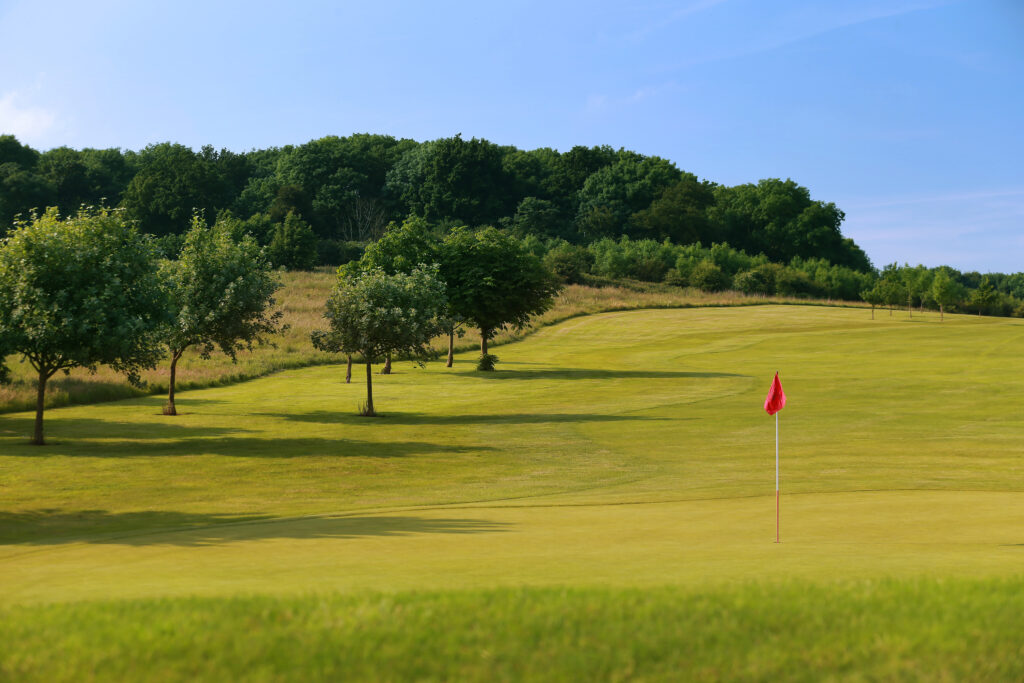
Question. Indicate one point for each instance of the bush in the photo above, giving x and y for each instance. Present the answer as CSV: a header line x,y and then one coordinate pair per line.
x,y
337,252
791,282
293,245
169,246
569,262
760,280
486,362
709,277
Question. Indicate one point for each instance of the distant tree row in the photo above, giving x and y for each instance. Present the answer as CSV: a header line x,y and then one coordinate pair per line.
x,y
315,200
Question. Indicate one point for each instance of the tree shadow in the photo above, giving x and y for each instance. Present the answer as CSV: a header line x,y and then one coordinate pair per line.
x,y
589,373
240,447
329,417
54,527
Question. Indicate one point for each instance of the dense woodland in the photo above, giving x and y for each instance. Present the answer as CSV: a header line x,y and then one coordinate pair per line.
x,y
589,211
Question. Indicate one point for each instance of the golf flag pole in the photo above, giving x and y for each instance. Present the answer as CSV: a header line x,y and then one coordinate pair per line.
x,y
773,403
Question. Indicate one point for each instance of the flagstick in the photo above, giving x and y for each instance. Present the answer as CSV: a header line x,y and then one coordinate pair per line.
x,y
776,477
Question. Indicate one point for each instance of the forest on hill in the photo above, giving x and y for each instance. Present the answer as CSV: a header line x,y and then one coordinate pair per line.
x,y
350,188
589,211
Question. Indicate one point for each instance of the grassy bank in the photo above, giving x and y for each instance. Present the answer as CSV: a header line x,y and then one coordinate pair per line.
x,y
302,300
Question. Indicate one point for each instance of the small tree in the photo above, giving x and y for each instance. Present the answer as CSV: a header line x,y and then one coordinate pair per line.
x,y
221,292
293,244
493,281
874,296
945,290
985,295
376,315
80,292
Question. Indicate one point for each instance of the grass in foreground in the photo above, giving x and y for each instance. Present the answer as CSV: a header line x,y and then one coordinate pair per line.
x,y
877,630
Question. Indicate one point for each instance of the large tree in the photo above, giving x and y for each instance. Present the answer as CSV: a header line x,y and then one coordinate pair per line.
x,y
80,292
377,315
173,183
494,281
221,295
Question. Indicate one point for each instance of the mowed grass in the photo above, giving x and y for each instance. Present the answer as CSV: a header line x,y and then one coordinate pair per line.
x,y
604,502
301,299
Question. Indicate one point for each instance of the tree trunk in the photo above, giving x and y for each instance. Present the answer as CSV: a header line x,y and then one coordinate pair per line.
x,y
348,370
451,348
483,341
872,312
170,409
368,411
386,370
942,313
37,437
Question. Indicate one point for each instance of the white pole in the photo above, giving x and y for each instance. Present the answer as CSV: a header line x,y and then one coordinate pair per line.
x,y
776,477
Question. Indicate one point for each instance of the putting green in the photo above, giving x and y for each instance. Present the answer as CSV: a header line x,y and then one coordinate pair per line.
x,y
624,449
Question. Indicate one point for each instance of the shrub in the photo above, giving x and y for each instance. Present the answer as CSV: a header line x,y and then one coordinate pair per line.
x,y
791,282
293,245
569,262
709,277
486,362
760,280
337,252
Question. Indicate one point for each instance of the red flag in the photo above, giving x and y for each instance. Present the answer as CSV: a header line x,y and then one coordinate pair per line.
x,y
776,399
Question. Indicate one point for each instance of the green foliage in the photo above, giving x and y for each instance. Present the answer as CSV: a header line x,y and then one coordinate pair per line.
x,y
221,293
337,252
80,292
759,280
402,248
293,245
493,281
621,189
374,314
173,183
569,262
486,362
680,213
708,277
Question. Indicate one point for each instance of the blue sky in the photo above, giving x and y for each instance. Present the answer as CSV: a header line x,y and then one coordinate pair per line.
x,y
906,113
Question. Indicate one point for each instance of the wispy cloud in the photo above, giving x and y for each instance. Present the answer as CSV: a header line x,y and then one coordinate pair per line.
x,y
814,19
677,15
28,122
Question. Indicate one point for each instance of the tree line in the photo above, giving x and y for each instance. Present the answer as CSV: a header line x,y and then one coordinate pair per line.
x,y
90,289
317,202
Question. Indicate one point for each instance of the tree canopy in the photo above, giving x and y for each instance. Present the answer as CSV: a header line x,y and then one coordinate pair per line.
x,y
80,292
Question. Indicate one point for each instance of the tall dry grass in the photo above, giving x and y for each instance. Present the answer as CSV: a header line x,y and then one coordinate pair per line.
x,y
302,300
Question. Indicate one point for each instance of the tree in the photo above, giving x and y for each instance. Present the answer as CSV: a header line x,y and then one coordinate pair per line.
x,y
945,290
985,295
293,244
494,281
679,214
874,296
624,188
221,292
376,315
173,183
80,292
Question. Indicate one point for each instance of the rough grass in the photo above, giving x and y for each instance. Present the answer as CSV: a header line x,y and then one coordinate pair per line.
x,y
302,300
887,630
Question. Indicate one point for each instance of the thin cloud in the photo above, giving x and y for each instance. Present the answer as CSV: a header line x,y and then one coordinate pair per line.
x,y
673,17
825,23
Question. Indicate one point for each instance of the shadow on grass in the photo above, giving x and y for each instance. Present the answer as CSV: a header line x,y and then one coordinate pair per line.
x,y
330,417
52,527
588,373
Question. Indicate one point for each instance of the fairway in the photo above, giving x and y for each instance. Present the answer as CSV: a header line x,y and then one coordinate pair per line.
x,y
615,451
